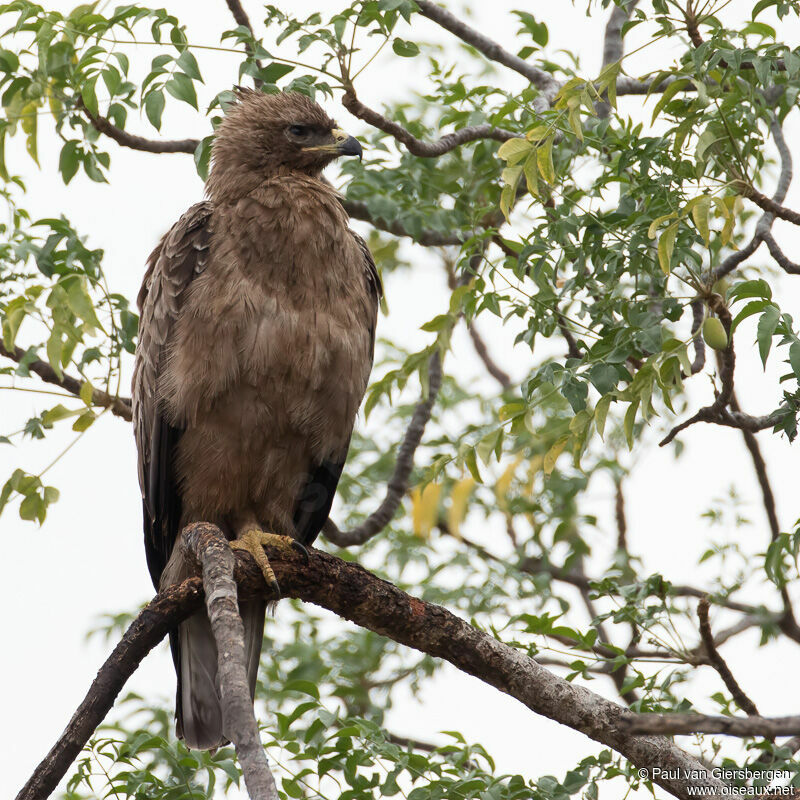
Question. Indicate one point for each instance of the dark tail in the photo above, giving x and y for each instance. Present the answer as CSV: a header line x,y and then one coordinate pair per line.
x,y
198,709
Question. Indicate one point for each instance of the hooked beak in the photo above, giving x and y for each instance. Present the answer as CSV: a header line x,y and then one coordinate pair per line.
x,y
347,145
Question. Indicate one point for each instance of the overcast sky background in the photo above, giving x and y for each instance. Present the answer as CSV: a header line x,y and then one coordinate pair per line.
x,y
88,557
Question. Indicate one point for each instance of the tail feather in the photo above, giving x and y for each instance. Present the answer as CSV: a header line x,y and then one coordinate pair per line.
x,y
198,708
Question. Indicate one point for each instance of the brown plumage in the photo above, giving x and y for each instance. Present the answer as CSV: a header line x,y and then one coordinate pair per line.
x,y
258,312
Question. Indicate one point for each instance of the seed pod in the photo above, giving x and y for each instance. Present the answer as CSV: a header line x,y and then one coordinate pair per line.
x,y
714,334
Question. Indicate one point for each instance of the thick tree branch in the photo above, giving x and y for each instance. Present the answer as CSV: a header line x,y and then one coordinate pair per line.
x,y
418,147
135,142
719,663
398,484
163,613
207,545
769,205
682,724
353,593
119,406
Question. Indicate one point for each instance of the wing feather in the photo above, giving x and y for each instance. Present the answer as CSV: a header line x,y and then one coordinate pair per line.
x,y
315,500
180,256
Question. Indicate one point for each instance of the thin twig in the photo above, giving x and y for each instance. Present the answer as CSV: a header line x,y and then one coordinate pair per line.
x,y
119,406
614,45
492,50
718,662
135,142
398,484
499,374
682,724
783,260
240,15
789,622
573,351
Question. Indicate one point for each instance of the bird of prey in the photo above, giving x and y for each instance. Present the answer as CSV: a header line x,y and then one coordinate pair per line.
x,y
258,312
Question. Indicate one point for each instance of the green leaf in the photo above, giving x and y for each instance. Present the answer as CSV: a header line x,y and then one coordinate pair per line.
x,y
84,421
70,160
794,358
32,508
600,414
202,157
79,302
666,244
58,413
273,72
629,421
15,312
188,64
667,95
405,48
766,328
89,95
182,88
154,107
305,687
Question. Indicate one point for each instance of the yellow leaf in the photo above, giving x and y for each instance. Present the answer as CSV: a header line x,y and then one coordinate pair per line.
x,y
86,393
424,508
507,200
538,133
666,244
459,498
700,208
553,453
504,482
544,158
531,174
514,150
651,231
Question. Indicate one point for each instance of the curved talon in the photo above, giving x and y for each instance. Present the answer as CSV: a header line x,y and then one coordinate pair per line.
x,y
301,549
254,540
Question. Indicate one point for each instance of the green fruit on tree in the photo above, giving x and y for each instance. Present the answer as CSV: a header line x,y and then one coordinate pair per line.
x,y
714,334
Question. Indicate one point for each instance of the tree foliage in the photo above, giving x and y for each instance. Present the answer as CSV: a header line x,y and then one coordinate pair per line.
x,y
620,225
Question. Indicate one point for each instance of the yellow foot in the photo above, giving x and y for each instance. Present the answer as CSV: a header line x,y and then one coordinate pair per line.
x,y
253,541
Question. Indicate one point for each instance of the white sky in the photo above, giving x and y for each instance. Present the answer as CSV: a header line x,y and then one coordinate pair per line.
x,y
88,557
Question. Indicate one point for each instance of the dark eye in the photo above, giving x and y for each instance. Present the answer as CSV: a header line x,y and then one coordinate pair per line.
x,y
298,130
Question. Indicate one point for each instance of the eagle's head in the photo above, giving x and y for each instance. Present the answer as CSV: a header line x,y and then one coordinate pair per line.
x,y
271,134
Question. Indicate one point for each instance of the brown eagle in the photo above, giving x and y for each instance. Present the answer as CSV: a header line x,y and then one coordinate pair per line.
x,y
258,312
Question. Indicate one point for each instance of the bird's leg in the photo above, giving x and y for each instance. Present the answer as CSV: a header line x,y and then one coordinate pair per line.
x,y
252,539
